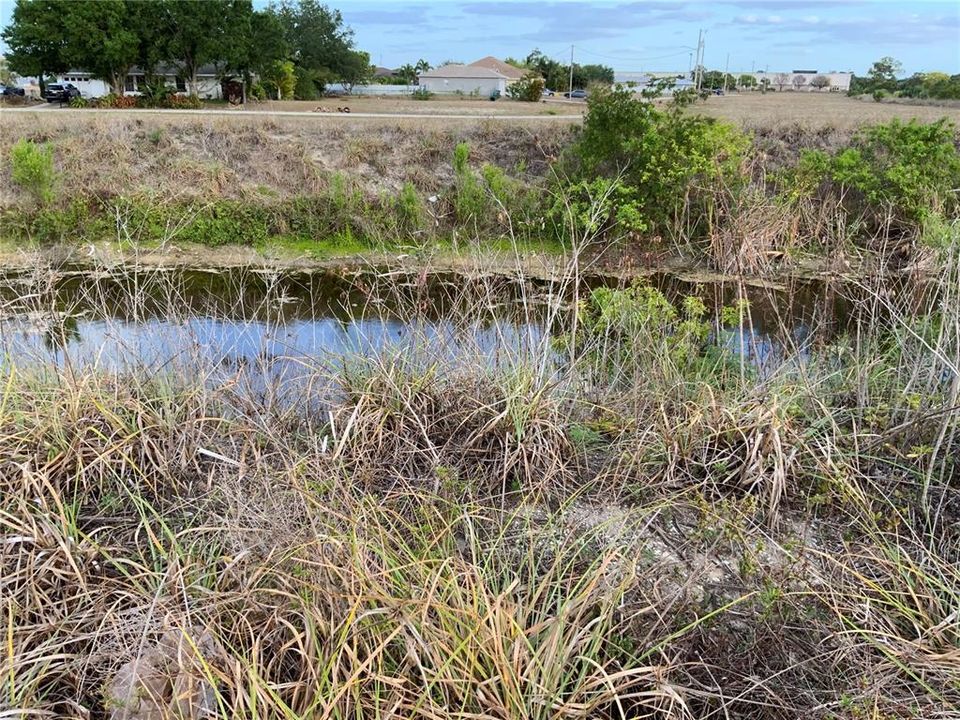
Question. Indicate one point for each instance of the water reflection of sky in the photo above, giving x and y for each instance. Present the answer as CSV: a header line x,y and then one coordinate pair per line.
x,y
283,323
157,344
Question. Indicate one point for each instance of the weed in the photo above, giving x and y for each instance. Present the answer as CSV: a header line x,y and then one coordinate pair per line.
x,y
31,166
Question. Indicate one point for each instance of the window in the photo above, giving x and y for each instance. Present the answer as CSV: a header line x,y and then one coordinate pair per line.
x,y
128,83
181,85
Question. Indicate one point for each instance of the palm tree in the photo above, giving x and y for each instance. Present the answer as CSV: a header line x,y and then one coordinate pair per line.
x,y
422,66
408,73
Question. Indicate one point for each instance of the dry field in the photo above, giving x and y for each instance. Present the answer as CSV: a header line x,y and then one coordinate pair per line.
x,y
816,110
434,106
182,156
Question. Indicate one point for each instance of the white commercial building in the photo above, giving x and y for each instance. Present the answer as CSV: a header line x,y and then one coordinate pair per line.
x,y
802,80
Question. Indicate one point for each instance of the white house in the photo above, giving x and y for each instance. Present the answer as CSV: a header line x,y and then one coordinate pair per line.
x,y
467,79
207,87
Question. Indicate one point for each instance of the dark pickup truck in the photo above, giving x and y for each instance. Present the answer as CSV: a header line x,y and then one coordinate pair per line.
x,y
60,93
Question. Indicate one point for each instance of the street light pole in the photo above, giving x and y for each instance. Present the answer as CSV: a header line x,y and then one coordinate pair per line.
x,y
571,70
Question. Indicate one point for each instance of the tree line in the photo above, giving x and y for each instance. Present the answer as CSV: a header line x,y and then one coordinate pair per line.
x,y
881,79
556,75
295,47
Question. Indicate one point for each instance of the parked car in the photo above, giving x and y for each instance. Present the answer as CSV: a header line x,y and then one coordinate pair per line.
x,y
60,93
547,92
7,90
576,94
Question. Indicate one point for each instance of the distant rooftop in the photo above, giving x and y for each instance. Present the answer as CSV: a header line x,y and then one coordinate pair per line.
x,y
506,69
463,71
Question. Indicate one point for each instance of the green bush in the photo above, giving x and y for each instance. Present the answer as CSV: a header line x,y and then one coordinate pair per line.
x,y
638,330
409,209
908,172
31,166
664,164
421,93
470,200
529,89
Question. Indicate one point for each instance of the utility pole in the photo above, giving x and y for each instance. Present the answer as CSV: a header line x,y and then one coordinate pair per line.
x,y
571,70
696,67
690,66
726,71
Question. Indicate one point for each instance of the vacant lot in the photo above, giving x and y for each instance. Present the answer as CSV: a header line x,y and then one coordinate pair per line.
x,y
434,106
815,110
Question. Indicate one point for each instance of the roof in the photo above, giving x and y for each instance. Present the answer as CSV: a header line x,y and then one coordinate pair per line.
x,y
383,72
463,71
207,70
506,69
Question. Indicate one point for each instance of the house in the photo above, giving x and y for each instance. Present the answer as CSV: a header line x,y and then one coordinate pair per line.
x,y
207,87
511,73
466,79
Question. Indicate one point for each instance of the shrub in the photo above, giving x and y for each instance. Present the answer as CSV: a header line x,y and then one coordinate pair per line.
x,y
470,202
421,93
31,166
637,331
528,89
155,94
409,209
665,163
907,171
78,102
185,102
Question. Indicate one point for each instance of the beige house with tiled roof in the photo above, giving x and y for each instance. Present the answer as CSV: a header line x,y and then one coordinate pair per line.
x,y
465,79
510,72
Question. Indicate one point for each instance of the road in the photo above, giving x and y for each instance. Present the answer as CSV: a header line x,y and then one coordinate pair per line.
x,y
283,113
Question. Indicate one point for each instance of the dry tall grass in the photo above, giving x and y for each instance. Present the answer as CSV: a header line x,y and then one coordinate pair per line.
x,y
624,528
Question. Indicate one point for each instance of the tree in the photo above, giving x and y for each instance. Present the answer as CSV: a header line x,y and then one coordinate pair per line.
x,y
715,80
35,38
408,73
781,80
319,43
281,77
798,81
422,66
940,86
883,73
820,82
554,73
101,39
355,69
595,73
747,81
198,32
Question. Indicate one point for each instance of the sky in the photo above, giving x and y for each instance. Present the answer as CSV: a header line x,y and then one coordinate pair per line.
x,y
774,35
